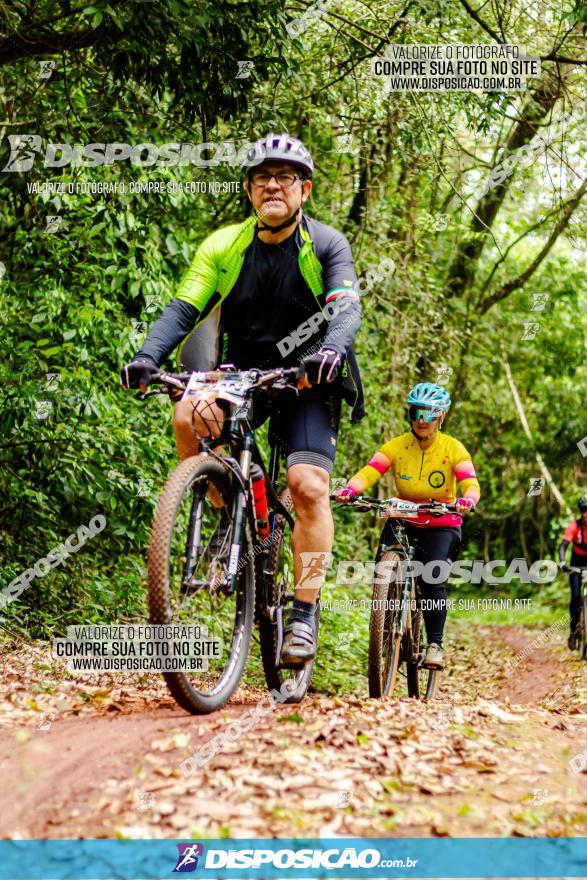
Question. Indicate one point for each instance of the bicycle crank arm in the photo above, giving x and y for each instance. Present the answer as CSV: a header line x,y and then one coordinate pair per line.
x,y
271,610
279,623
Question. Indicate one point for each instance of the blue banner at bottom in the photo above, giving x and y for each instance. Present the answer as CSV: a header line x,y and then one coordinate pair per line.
x,y
309,858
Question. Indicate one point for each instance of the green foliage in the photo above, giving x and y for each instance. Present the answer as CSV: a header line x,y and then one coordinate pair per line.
x,y
166,72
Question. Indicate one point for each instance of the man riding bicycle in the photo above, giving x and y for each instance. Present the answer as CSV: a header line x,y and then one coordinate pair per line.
x,y
279,290
576,535
427,465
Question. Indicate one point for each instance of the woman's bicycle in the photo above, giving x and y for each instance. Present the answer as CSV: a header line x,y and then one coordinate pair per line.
x,y
581,641
209,563
396,633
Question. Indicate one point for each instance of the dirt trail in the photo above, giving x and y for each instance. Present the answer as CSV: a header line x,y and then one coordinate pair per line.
x,y
539,677
490,757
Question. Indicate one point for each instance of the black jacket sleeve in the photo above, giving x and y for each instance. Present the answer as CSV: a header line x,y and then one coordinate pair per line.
x,y
176,321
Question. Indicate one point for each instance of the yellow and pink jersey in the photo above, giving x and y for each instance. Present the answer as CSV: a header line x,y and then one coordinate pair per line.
x,y
424,474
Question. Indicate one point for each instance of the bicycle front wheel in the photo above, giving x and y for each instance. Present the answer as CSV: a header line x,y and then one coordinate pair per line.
x,y
191,543
384,630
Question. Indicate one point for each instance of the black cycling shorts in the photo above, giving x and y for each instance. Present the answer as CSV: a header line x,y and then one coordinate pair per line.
x,y
305,426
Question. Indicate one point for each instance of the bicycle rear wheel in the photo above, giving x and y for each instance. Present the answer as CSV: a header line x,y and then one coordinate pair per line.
x,y
422,683
273,584
583,629
190,545
384,629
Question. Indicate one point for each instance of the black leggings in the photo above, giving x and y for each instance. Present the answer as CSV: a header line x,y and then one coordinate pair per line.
x,y
575,582
440,544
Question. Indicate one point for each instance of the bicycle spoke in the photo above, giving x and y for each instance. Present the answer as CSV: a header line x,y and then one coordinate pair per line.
x,y
188,583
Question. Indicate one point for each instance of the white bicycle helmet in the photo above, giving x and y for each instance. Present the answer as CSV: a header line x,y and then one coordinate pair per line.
x,y
279,147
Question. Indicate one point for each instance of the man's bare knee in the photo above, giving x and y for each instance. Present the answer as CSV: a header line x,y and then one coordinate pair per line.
x,y
186,437
183,413
309,486
204,418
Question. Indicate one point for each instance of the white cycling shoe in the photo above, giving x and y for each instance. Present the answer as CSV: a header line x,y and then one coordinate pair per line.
x,y
434,658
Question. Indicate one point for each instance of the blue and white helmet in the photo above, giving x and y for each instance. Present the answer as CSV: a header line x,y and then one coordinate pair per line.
x,y
433,396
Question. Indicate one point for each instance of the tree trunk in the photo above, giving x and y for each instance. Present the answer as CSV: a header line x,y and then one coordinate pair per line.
x,y
539,460
462,270
486,537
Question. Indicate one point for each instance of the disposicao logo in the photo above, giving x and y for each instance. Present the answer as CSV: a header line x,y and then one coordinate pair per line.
x,y
187,860
24,149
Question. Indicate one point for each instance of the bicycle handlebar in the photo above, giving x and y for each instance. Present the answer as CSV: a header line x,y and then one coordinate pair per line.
x,y
360,502
258,379
434,508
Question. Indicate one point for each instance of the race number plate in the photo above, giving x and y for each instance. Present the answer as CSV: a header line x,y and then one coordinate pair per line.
x,y
400,510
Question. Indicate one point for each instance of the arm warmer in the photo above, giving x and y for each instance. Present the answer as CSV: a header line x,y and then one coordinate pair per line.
x,y
562,550
344,324
368,475
466,478
176,321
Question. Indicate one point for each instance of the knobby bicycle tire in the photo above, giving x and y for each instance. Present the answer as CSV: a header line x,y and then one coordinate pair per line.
x,y
423,683
384,646
199,467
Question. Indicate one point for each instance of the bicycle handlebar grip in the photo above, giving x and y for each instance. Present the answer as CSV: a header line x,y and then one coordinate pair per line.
x,y
294,373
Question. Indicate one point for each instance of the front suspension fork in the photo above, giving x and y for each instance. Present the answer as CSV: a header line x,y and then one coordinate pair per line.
x,y
194,534
239,514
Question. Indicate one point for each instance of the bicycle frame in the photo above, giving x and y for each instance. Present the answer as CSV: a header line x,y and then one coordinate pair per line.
x,y
406,551
243,507
242,441
237,432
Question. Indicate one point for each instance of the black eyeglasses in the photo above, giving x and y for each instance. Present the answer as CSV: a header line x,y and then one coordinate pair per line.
x,y
282,178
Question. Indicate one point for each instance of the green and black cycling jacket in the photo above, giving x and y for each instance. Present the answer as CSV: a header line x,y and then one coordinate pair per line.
x,y
326,276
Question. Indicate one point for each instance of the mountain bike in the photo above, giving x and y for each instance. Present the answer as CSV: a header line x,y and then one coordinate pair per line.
x,y
582,625
396,632
208,563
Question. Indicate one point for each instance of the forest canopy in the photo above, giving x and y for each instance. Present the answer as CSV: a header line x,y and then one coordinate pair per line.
x,y
490,267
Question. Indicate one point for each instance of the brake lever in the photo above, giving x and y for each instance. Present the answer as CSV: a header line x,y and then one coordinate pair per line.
x,y
142,395
171,380
273,390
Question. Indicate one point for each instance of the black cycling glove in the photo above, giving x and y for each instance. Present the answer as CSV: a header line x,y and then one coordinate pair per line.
x,y
138,373
322,366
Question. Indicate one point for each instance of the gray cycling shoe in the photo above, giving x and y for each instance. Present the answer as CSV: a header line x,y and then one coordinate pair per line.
x,y
299,644
434,658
